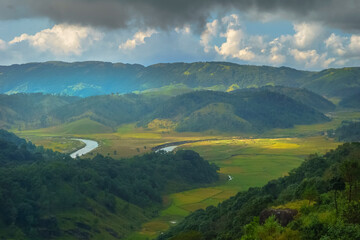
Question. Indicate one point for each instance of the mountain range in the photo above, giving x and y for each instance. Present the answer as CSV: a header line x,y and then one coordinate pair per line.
x,y
98,78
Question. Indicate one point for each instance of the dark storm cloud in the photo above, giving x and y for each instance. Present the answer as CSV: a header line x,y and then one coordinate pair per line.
x,y
165,14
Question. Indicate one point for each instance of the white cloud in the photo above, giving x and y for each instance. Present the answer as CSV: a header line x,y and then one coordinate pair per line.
x,y
2,44
344,47
235,44
276,47
211,31
245,54
185,30
336,44
354,45
62,39
275,56
138,39
311,58
232,46
306,34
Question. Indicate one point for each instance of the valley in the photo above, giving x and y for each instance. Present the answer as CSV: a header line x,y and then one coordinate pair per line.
x,y
250,159
248,134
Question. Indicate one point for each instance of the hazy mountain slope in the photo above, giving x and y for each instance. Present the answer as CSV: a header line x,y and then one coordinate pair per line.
x,y
352,101
111,110
96,78
340,82
207,74
32,110
79,78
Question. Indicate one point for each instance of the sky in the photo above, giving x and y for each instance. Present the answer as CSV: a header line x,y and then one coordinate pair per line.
x,y
306,34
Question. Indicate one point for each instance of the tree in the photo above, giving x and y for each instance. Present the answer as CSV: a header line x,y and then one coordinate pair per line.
x,y
350,171
310,193
337,184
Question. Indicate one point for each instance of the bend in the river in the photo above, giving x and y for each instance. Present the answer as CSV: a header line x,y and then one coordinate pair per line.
x,y
89,146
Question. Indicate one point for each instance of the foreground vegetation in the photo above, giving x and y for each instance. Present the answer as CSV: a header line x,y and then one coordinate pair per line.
x,y
328,181
46,194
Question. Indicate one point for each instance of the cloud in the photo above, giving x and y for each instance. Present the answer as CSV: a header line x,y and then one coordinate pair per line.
x,y
185,30
344,47
62,39
311,58
336,44
306,34
3,44
275,57
305,48
138,39
354,45
167,14
234,46
210,32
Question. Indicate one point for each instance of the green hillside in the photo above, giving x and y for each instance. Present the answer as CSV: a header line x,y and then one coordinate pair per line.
x,y
110,110
334,82
81,126
216,116
303,96
30,110
238,111
352,101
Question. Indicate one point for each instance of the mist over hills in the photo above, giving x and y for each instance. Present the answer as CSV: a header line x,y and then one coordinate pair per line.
x,y
97,78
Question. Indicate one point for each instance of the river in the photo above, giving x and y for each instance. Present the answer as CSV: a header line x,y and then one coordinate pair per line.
x,y
167,149
89,146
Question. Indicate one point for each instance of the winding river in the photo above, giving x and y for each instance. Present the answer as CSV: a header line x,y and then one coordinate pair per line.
x,y
167,149
89,146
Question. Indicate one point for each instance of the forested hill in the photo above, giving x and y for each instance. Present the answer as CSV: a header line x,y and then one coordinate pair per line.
x,y
48,195
321,194
246,110
238,111
301,95
96,78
